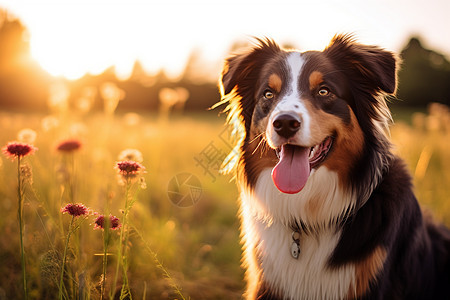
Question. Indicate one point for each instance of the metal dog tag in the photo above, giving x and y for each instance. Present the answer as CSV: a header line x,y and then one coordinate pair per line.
x,y
295,246
295,250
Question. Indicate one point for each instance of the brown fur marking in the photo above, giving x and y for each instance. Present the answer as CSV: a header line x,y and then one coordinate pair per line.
x,y
275,83
347,147
315,79
366,271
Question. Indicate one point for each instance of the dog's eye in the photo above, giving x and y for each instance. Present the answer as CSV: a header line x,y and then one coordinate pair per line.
x,y
323,92
268,94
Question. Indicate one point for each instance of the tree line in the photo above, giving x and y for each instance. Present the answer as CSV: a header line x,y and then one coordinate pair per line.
x,y
424,77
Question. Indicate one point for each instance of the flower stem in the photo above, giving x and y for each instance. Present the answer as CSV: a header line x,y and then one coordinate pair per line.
x,y
20,212
105,260
120,248
122,252
125,291
119,259
128,203
66,246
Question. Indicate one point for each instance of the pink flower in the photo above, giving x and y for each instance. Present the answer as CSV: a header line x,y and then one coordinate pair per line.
x,y
16,149
129,168
69,145
99,222
75,210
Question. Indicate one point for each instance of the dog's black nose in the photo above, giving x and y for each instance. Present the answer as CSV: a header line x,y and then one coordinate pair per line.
x,y
286,125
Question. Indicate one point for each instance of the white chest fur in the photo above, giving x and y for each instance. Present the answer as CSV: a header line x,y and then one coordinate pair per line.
x,y
265,215
308,276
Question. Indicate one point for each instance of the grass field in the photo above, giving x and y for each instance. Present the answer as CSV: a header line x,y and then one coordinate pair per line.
x,y
182,250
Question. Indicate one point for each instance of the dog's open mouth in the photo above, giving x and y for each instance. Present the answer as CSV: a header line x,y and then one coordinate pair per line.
x,y
292,171
319,152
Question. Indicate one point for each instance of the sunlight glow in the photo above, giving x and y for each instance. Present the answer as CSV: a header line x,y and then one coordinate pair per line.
x,y
70,38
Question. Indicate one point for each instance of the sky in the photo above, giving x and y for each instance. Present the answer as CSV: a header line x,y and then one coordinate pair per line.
x,y
70,38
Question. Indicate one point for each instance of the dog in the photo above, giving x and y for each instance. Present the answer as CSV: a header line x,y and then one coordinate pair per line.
x,y
327,210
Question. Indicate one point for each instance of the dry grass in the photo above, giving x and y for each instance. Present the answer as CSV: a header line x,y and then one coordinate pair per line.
x,y
423,143
196,248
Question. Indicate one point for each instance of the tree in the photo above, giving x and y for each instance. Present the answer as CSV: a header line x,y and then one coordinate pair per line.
x,y
424,76
14,46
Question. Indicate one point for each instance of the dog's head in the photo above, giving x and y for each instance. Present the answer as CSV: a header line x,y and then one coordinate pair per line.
x,y
312,109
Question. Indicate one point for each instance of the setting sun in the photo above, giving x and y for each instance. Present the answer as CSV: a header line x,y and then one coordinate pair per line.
x,y
71,38
90,39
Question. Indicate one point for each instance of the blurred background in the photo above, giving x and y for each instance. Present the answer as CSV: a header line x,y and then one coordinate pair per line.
x,y
142,75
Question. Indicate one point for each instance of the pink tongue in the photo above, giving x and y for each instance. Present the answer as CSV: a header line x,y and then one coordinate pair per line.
x,y
292,171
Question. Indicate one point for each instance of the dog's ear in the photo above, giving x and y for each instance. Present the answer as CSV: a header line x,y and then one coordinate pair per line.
x,y
231,73
372,67
244,68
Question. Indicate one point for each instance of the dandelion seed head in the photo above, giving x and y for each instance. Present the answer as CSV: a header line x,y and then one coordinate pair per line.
x,y
111,95
27,135
83,104
87,99
49,122
131,119
17,149
69,145
168,97
75,209
131,155
78,129
114,222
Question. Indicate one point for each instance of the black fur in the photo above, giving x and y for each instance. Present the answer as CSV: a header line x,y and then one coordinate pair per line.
x,y
387,214
418,262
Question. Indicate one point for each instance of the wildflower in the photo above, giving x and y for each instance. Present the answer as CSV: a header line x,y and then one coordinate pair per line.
x,y
75,210
27,135
16,149
114,222
69,145
131,155
129,169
